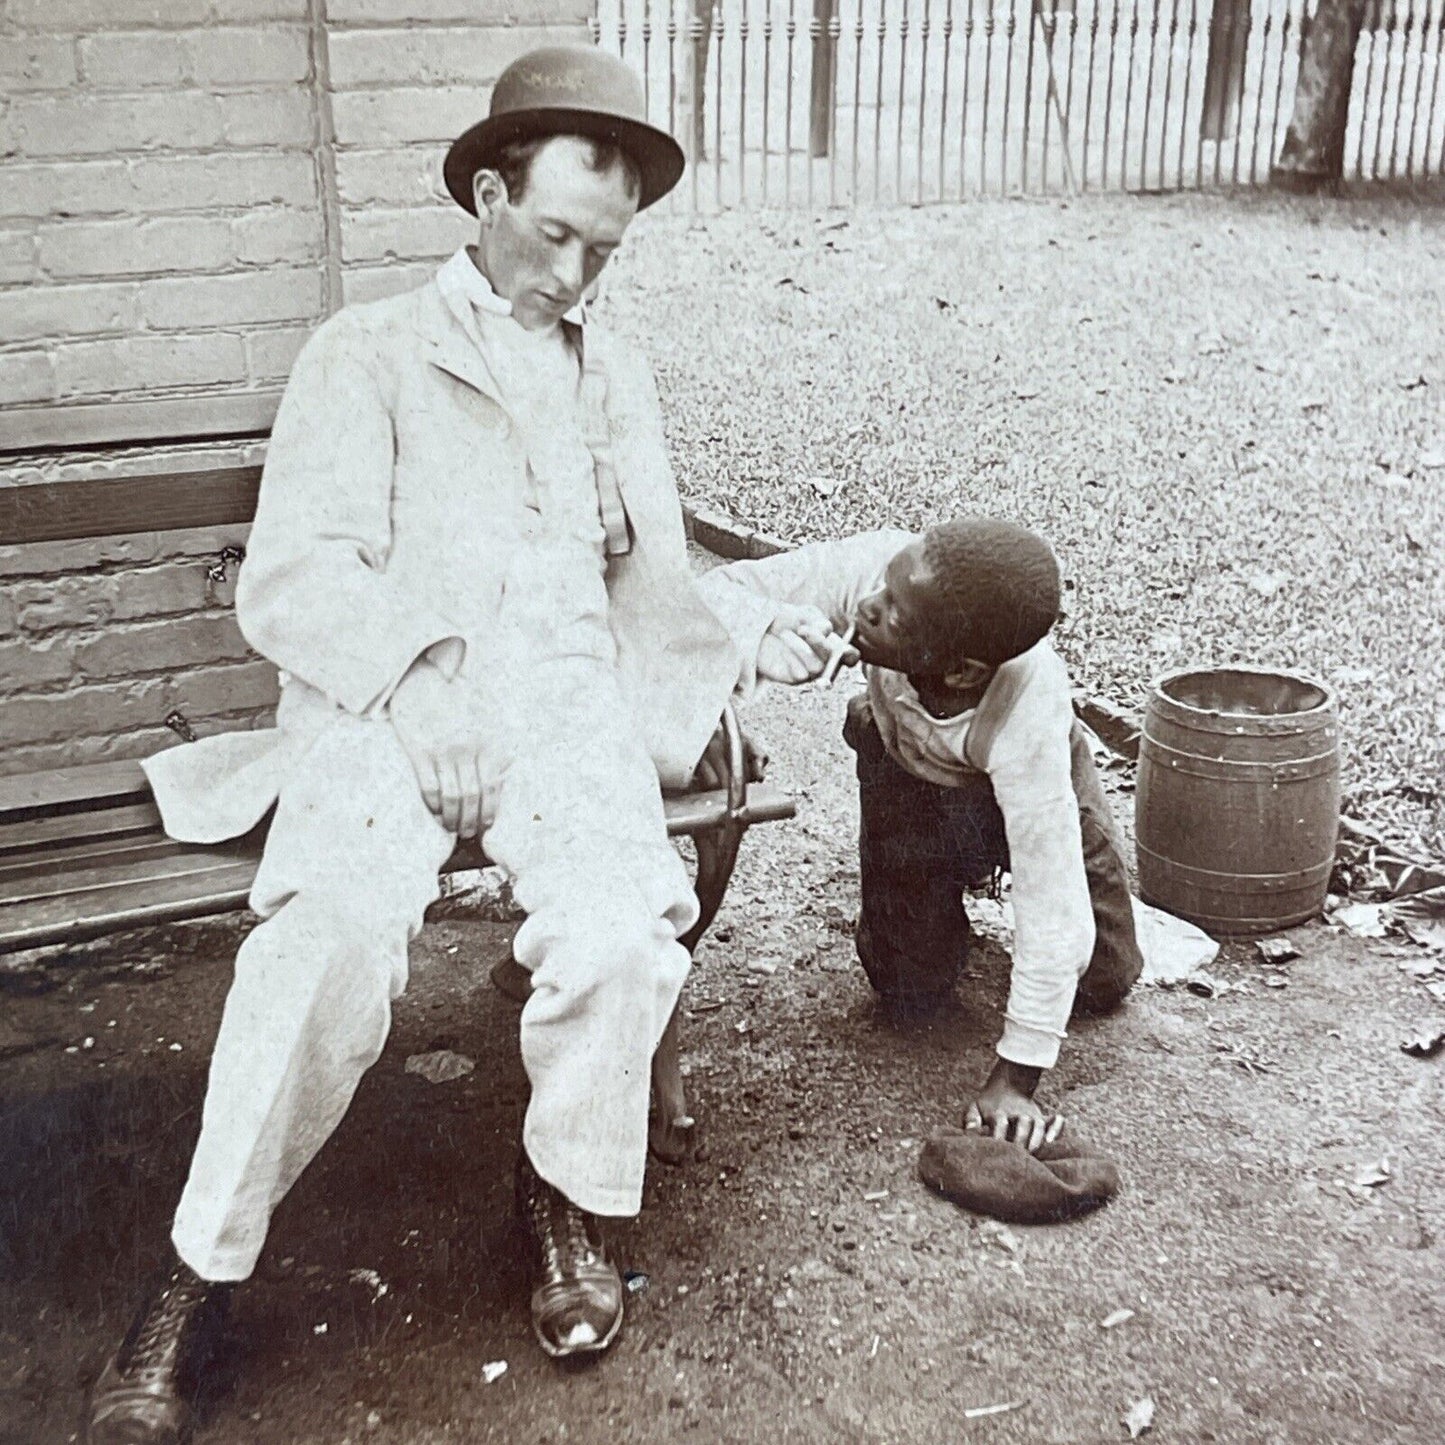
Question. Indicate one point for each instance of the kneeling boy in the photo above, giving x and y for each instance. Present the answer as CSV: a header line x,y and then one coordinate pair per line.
x,y
969,760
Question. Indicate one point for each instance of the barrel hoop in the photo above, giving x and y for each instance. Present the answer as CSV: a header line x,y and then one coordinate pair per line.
x,y
1220,882
1224,770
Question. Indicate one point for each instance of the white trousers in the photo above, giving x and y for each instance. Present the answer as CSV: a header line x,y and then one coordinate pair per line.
x,y
351,863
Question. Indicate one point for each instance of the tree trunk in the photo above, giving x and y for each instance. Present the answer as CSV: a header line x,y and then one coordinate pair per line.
x,y
1313,154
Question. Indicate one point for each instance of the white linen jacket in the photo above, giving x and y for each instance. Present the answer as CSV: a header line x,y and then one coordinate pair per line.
x,y
394,496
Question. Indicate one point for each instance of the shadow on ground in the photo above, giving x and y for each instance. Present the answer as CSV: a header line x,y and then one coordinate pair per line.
x,y
801,1283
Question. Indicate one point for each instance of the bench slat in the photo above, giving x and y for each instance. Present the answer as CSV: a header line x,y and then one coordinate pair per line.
x,y
91,785
121,506
128,903
48,834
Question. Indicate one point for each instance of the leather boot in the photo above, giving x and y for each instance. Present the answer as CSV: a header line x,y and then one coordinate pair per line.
x,y
577,1299
146,1393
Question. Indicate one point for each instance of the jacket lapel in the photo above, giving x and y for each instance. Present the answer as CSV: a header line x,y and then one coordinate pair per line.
x,y
450,345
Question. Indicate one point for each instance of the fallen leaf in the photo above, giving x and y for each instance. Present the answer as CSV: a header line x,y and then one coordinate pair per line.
x,y
1372,1176
1207,986
824,486
1418,967
1266,583
1276,981
493,1371
1140,1417
1424,1045
1363,920
441,1067
1119,1317
1277,950
999,1235
1412,383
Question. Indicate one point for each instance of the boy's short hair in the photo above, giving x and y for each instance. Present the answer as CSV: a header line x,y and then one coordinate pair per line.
x,y
1000,586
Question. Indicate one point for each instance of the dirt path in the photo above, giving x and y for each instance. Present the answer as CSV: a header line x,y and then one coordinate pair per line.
x,y
801,1283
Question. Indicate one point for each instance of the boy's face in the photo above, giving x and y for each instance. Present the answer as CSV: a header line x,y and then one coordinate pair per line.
x,y
898,626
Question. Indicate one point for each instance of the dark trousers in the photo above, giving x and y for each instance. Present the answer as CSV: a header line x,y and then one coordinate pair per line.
x,y
922,845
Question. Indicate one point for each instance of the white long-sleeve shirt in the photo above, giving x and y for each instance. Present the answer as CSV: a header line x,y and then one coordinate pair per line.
x,y
1019,735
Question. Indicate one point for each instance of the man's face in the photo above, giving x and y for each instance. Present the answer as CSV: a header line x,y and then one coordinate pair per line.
x,y
542,253
898,625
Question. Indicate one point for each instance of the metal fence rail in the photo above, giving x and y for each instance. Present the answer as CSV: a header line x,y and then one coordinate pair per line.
x,y
861,102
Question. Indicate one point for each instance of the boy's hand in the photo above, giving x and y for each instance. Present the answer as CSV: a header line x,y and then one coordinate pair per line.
x,y
1005,1107
795,648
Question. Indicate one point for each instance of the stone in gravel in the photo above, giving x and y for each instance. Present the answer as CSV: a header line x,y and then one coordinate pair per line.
x,y
1277,950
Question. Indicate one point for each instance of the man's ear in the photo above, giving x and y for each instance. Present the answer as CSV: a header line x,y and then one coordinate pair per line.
x,y
489,191
969,673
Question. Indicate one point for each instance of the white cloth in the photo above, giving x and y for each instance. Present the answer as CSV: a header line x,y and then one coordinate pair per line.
x,y
1018,735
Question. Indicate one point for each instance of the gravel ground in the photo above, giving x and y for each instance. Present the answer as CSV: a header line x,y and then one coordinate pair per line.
x,y
1227,411
803,1285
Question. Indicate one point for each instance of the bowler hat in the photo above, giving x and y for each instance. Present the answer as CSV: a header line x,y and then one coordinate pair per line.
x,y
566,90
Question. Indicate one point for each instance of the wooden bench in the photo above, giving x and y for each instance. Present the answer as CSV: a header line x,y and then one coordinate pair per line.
x,y
82,851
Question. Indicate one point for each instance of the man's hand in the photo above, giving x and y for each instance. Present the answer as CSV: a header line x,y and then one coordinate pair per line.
x,y
712,768
795,648
1005,1107
442,736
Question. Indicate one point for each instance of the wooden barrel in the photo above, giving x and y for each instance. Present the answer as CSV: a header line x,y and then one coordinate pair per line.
x,y
1238,801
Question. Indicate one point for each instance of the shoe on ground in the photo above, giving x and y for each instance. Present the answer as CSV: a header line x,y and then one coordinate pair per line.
x,y
146,1393
577,1301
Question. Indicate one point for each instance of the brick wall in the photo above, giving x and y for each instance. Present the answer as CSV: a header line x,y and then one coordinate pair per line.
x,y
185,187
160,211
182,182
102,641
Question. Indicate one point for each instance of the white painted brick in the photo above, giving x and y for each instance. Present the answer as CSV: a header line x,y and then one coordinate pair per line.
x,y
283,234
133,61
404,176
88,125
141,363
88,15
157,183
276,118
51,312
390,117
36,62
270,355
25,376
371,283
24,666
459,12
202,302
84,15
248,57
47,559
143,647
239,10
474,54
17,259
375,235
163,246
194,57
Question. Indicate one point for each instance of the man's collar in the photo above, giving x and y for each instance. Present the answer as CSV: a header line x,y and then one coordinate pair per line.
x,y
461,273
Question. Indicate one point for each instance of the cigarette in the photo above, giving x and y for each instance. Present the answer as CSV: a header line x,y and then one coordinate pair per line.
x,y
837,650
